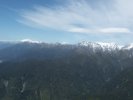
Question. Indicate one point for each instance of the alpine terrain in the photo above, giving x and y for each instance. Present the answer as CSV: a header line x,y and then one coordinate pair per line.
x,y
31,70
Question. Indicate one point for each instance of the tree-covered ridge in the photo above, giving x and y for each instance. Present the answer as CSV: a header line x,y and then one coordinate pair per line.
x,y
65,72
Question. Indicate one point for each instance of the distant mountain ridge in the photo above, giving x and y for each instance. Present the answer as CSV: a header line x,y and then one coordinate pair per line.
x,y
28,49
103,45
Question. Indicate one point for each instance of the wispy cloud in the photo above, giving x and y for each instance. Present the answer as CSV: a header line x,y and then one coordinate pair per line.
x,y
115,30
100,30
81,17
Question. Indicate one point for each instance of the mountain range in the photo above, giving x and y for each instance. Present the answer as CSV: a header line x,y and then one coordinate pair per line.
x,y
32,70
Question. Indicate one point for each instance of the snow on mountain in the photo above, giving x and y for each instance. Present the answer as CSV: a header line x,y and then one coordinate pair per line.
x,y
94,45
109,46
85,43
30,41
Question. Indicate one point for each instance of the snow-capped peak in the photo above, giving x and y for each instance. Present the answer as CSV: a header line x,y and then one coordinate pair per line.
x,y
30,41
101,45
108,45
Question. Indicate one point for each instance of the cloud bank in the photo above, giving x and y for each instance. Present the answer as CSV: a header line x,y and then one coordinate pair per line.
x,y
81,17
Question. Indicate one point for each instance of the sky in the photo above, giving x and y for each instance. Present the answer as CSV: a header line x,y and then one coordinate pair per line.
x,y
67,21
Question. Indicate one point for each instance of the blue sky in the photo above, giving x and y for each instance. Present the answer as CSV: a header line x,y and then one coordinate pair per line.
x,y
69,21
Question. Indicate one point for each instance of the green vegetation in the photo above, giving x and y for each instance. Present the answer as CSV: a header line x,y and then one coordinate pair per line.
x,y
79,77
76,74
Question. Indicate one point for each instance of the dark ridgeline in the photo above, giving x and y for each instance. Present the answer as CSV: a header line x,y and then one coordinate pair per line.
x,y
32,71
